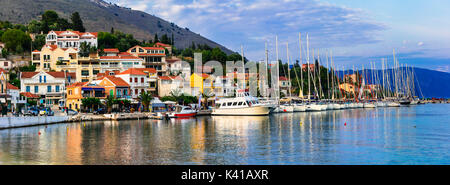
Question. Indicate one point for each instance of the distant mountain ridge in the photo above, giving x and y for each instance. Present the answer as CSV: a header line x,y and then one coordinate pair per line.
x,y
99,15
433,84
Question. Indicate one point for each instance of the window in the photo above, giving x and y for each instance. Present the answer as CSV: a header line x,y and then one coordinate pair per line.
x,y
133,50
36,89
28,89
131,80
5,64
135,80
57,88
49,88
84,73
136,91
141,50
235,103
229,103
142,80
70,92
45,79
240,103
40,77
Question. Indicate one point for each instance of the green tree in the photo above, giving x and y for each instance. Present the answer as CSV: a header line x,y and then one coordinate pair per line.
x,y
50,17
145,98
34,26
77,23
16,39
218,55
109,102
165,39
155,40
39,41
29,68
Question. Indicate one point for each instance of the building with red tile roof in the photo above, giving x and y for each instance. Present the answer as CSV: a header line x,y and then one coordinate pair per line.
x,y
68,38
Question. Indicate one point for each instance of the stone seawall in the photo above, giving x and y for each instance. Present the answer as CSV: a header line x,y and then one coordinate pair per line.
x,y
13,122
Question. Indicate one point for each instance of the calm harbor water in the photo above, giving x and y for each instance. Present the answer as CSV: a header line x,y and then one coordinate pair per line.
x,y
406,135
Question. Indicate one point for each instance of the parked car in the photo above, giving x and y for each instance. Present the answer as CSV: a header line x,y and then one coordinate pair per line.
x,y
46,111
100,111
71,112
33,111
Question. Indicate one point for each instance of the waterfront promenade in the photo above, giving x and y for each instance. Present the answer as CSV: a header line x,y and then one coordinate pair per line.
x,y
25,121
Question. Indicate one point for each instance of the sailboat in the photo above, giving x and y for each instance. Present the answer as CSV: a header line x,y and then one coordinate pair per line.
x,y
279,108
300,107
311,106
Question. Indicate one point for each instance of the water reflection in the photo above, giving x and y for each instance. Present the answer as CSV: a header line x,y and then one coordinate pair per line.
x,y
406,135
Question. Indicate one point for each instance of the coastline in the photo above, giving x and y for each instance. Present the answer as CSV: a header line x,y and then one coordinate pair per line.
x,y
29,121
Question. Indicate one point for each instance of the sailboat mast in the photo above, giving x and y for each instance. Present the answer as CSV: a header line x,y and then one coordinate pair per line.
x,y
301,62
243,65
267,73
289,69
307,60
278,71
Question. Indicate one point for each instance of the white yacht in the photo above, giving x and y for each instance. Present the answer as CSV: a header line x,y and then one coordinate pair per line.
x,y
312,106
299,107
393,104
242,105
369,105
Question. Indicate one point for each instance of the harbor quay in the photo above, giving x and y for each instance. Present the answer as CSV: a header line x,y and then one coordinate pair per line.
x,y
26,121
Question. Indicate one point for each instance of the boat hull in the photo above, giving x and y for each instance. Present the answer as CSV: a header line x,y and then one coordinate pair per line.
x,y
299,108
244,111
182,115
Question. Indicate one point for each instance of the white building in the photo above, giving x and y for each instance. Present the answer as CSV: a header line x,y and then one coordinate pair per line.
x,y
67,39
137,79
168,84
49,85
224,86
175,67
119,61
5,64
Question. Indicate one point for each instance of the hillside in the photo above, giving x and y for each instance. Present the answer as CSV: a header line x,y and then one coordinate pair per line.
x,y
98,15
434,84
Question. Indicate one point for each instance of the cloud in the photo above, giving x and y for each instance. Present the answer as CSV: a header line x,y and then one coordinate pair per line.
x,y
237,22
420,44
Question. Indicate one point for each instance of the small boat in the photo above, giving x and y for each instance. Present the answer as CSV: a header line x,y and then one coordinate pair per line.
x,y
182,112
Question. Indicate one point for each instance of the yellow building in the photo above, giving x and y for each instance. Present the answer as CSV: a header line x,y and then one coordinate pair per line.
x,y
80,90
347,87
53,58
201,84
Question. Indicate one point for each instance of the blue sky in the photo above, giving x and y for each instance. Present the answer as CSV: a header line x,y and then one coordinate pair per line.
x,y
356,31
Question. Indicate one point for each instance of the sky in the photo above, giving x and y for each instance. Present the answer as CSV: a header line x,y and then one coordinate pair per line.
x,y
355,32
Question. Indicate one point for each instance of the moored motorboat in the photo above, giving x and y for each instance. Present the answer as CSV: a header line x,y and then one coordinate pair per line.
x,y
242,105
182,112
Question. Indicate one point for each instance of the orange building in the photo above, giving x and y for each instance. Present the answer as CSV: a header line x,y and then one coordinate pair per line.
x,y
116,87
